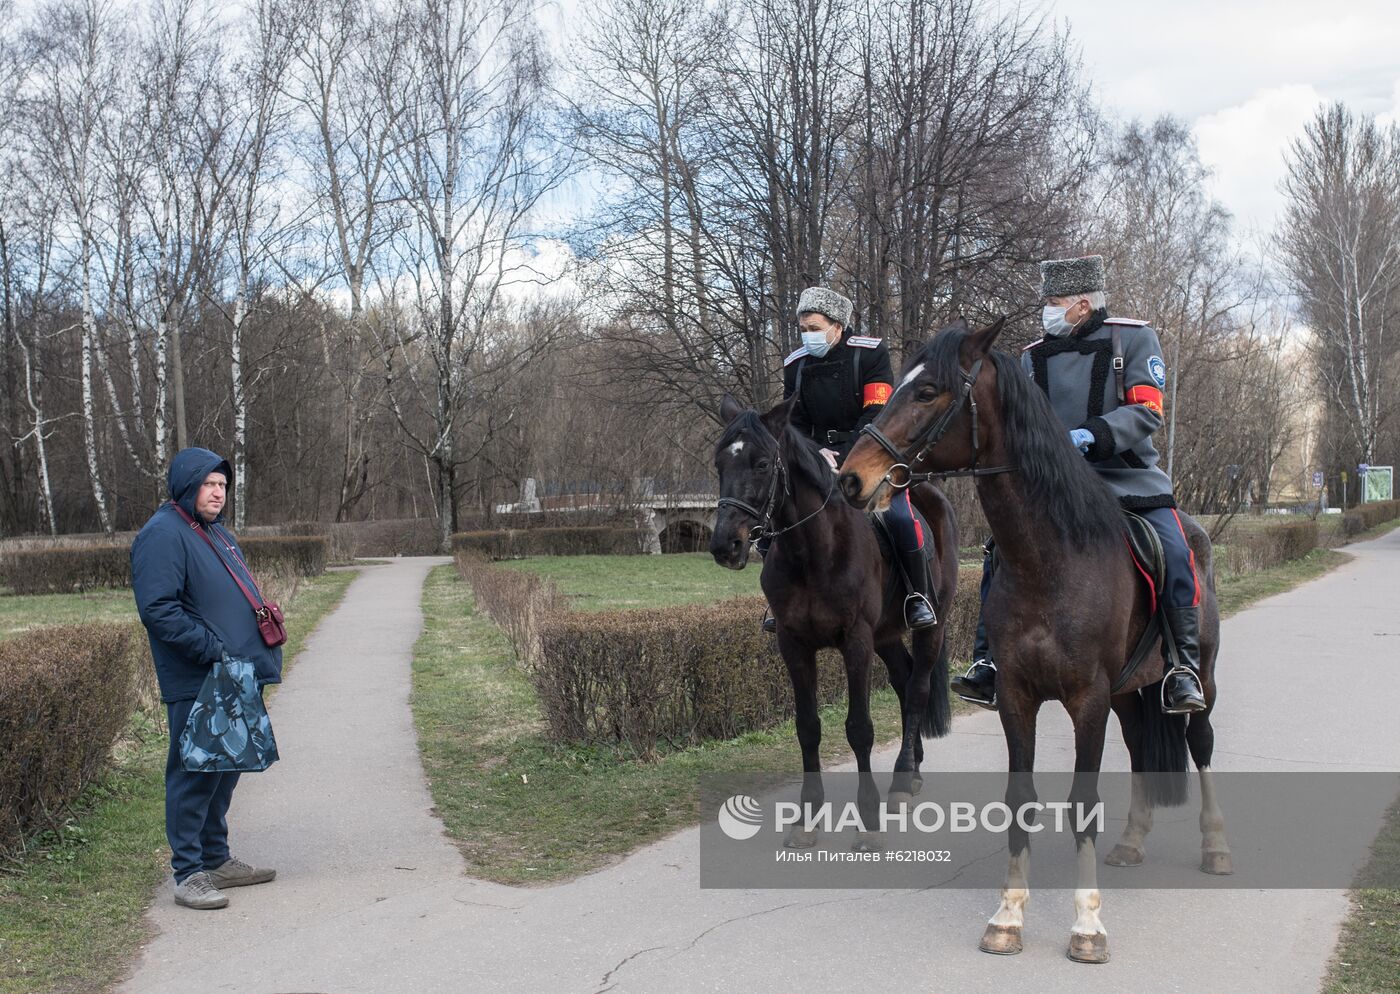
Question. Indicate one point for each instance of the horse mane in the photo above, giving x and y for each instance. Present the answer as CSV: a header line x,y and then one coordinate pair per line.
x,y
804,454
1058,479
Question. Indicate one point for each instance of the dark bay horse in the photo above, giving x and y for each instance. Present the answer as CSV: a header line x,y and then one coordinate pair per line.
x,y
826,579
1065,609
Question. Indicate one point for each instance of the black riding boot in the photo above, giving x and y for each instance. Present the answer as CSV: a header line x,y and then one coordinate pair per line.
x,y
1181,690
918,609
979,684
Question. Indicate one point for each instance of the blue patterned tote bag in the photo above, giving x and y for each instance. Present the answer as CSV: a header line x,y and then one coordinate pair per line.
x,y
228,729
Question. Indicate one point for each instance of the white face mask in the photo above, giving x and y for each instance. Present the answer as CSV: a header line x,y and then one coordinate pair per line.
x,y
1052,319
816,343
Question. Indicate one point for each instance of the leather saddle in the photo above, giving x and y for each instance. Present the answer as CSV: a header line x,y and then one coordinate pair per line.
x,y
1146,550
1151,563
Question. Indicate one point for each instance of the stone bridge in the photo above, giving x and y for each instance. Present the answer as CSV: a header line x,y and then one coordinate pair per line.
x,y
673,522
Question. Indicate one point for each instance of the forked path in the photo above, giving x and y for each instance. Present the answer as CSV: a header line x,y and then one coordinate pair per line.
x,y
371,897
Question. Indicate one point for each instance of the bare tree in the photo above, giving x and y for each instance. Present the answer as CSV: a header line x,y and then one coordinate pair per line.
x,y
1339,244
74,77
260,120
346,89
470,164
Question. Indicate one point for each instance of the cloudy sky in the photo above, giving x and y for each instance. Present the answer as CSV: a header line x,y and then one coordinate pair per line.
x,y
1246,74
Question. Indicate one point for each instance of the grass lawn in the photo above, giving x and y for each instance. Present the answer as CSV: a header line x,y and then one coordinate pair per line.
x,y
20,613
525,809
72,909
1367,959
601,583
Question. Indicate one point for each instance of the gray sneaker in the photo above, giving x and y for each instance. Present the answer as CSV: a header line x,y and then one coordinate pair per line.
x,y
236,873
198,892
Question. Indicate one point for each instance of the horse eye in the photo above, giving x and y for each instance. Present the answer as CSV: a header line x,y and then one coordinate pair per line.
x,y
926,395
761,464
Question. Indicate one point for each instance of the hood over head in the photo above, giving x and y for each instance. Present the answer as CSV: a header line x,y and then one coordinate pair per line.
x,y
188,471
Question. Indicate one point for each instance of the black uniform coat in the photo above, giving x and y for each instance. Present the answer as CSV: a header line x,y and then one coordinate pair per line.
x,y
841,392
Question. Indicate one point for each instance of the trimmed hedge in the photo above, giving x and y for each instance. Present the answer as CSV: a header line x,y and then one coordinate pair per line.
x,y
677,674
516,600
1264,548
384,539
303,555
66,694
595,540
62,569
683,675
1364,517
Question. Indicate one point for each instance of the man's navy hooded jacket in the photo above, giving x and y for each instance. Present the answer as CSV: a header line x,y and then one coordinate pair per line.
x,y
192,609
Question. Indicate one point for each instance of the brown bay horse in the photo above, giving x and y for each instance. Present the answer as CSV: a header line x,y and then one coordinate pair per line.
x,y
826,581
1065,608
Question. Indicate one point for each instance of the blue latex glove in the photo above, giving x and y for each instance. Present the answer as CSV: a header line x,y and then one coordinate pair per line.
x,y
1082,439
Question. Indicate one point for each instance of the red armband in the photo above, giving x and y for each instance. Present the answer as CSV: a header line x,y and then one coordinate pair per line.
x,y
1148,396
877,393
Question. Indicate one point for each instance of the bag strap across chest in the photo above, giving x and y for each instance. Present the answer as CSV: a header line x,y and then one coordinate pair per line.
x,y
256,603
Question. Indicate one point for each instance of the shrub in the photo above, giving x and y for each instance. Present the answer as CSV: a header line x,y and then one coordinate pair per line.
x,y
583,541
1249,551
384,539
66,693
682,675
1364,517
677,674
516,600
63,569
304,556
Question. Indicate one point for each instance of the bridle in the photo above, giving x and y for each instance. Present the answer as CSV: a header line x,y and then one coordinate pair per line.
x,y
770,507
899,476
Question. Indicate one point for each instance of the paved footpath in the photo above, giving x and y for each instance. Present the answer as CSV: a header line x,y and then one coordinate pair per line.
x,y
371,898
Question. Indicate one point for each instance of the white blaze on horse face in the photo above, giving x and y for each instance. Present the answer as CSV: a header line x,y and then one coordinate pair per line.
x,y
736,448
911,376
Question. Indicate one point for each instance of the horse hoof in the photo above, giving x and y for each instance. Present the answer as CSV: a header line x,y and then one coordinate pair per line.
x,y
800,838
1124,856
1217,863
897,799
916,785
1001,940
868,842
1088,948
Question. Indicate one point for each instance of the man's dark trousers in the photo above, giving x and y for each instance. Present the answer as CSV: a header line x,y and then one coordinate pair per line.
x,y
196,806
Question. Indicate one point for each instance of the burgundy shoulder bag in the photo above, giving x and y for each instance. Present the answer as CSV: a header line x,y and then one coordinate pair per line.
x,y
269,615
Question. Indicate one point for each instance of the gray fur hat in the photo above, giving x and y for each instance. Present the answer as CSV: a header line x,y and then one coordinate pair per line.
x,y
820,300
1069,277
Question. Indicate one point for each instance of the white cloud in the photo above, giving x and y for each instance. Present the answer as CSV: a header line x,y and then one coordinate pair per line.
x,y
1245,146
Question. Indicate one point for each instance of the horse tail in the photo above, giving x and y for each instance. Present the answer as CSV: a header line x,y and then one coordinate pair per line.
x,y
1162,746
937,719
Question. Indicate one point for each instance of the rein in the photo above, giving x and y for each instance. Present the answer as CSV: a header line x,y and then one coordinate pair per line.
x,y
765,517
900,476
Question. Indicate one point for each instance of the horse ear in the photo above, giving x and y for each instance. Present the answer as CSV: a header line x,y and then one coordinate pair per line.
x,y
729,409
780,416
979,343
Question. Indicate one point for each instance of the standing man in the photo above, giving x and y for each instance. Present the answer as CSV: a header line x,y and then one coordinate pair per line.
x,y
194,613
1105,375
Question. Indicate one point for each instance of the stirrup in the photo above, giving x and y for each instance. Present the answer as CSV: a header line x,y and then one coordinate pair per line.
x,y
1179,668
927,603
990,705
